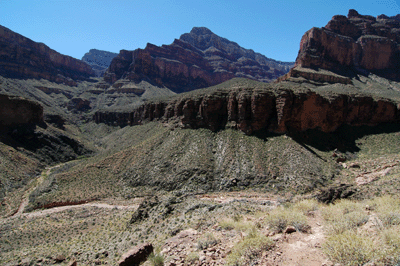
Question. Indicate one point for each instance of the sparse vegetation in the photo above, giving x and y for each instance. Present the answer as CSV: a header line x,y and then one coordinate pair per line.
x,y
207,241
281,217
351,243
156,259
249,249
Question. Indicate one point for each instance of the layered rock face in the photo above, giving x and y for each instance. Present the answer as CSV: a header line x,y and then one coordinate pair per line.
x,y
347,46
21,57
198,59
99,60
17,111
352,44
250,110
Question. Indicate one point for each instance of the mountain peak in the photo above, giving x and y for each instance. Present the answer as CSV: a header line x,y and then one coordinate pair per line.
x,y
201,31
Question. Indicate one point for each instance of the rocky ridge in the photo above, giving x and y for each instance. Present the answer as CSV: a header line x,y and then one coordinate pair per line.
x,y
21,57
196,60
249,108
99,60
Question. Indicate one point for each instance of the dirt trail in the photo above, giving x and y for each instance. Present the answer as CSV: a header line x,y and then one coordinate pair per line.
x,y
39,180
63,208
25,198
301,249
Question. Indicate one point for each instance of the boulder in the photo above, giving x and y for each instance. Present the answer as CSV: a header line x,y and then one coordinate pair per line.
x,y
136,255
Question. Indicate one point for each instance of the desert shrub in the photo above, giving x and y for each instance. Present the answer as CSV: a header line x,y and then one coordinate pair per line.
x,y
192,257
280,218
236,222
391,239
227,224
349,248
249,249
344,215
306,206
207,241
156,259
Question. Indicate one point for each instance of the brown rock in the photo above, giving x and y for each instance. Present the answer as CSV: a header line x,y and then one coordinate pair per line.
x,y
136,255
59,258
289,230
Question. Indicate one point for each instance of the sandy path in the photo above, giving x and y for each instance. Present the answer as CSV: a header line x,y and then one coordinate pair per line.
x,y
64,208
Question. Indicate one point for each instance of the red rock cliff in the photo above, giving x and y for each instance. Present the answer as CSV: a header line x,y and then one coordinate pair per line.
x,y
354,43
23,58
250,110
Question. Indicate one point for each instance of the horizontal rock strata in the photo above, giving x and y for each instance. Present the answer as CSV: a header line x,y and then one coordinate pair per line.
x,y
250,110
23,58
353,44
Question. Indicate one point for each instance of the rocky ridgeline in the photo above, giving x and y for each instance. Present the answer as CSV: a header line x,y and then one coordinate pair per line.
x,y
198,59
352,44
21,57
250,110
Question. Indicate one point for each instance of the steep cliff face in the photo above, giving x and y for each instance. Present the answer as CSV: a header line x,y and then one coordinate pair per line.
x,y
99,60
270,108
17,111
23,58
198,59
352,44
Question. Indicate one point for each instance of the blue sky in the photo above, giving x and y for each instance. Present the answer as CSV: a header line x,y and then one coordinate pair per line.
x,y
272,28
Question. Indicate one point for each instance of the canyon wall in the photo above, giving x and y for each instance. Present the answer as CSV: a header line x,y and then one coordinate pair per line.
x,y
21,57
250,110
354,44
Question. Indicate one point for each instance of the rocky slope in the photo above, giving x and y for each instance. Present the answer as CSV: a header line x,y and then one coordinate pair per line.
x,y
21,57
198,59
16,111
99,60
353,44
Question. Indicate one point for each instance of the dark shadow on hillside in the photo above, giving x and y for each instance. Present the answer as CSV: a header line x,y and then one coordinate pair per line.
x,y
343,139
48,147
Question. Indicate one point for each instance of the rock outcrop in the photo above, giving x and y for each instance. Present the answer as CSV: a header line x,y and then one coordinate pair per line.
x,y
353,44
136,256
99,60
17,111
198,59
271,109
21,57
